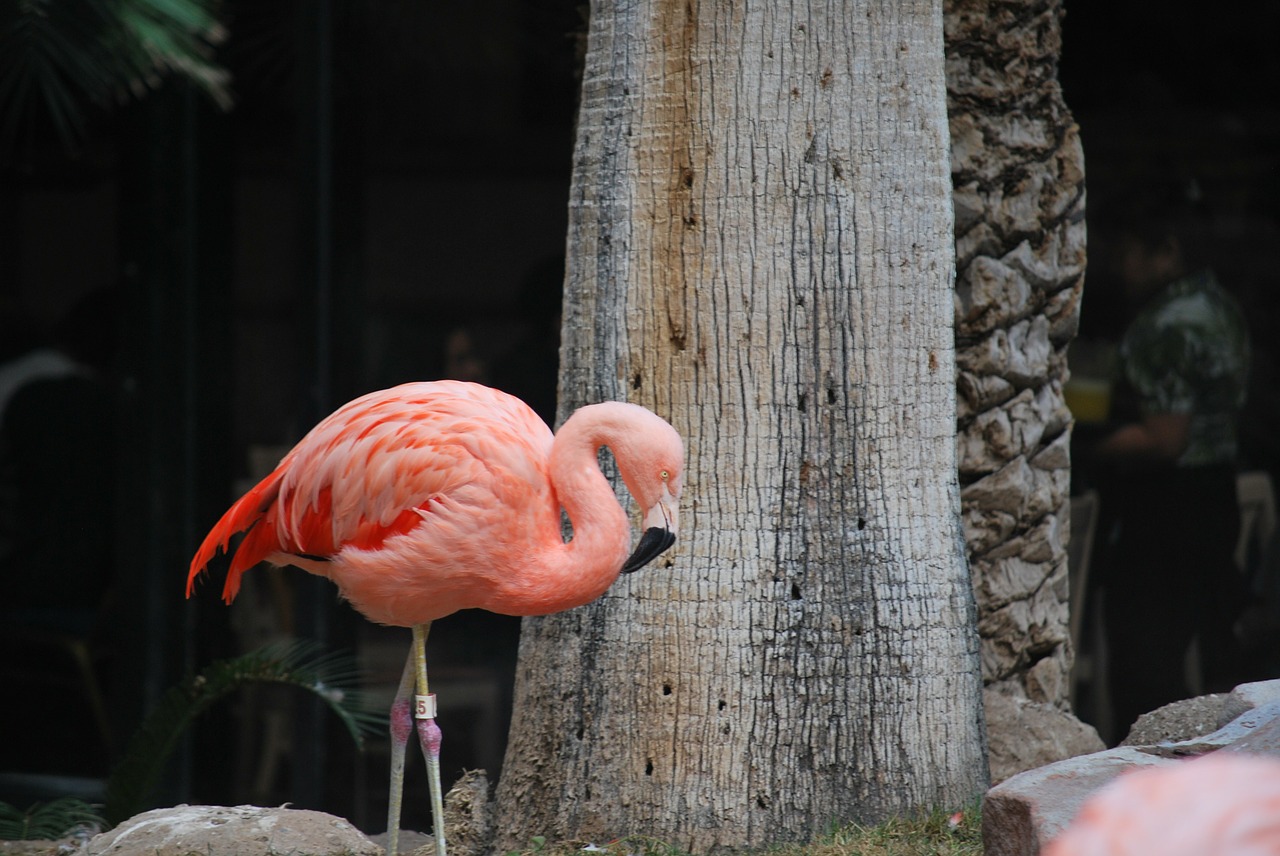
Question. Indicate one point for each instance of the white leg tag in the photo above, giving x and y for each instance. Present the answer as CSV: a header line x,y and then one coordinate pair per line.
x,y
424,706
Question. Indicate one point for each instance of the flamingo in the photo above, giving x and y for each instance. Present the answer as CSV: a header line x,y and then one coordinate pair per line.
x,y
1222,804
428,498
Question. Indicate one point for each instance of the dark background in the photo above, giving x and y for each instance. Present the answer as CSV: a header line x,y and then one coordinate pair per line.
x,y
387,202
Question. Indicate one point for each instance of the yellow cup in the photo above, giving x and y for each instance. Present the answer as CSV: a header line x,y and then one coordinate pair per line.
x,y
1088,399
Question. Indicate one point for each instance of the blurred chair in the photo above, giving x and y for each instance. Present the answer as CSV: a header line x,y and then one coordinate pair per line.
x,y
1258,561
1257,522
1084,527
1088,672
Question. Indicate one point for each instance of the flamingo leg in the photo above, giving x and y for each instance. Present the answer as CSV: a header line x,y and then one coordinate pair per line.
x,y
401,726
424,712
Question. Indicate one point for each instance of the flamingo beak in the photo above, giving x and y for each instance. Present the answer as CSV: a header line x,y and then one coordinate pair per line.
x,y
660,525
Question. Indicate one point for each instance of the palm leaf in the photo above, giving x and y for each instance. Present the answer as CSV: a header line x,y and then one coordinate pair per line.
x,y
331,677
46,821
58,58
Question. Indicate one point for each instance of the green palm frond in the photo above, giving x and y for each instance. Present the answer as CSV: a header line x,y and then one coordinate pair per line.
x,y
51,820
331,677
59,57
177,36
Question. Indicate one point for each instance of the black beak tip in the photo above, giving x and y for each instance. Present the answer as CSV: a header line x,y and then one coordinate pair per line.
x,y
654,542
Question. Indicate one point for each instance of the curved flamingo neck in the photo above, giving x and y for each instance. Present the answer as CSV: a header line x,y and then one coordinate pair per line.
x,y
601,531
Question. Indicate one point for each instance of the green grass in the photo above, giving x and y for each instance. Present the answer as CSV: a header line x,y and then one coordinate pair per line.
x,y
930,835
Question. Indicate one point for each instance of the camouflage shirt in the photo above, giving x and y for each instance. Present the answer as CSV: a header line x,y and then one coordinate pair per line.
x,y
1187,351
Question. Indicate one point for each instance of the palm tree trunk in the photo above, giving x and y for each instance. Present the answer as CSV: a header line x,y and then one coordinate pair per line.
x,y
761,249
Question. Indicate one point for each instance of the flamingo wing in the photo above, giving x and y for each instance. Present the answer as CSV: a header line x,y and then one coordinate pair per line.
x,y
372,469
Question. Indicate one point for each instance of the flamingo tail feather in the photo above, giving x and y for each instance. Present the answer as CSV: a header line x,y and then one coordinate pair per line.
x,y
246,514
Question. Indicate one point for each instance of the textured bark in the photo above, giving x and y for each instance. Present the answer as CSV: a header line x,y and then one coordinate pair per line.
x,y
1018,170
761,249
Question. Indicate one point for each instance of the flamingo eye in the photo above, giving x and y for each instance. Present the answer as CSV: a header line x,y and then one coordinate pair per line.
x,y
665,475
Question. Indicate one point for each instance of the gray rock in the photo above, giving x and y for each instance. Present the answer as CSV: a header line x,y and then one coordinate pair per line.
x,y
1025,735
1248,696
1248,730
1180,720
1023,813
234,831
1264,739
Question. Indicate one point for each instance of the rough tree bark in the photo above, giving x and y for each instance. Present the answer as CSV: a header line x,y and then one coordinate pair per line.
x,y
1018,169
761,249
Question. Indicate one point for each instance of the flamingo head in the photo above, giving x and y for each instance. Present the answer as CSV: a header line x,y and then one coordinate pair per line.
x,y
651,463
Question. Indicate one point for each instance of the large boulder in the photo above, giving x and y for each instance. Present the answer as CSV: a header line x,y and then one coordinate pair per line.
x,y
1180,720
1024,735
244,830
1025,812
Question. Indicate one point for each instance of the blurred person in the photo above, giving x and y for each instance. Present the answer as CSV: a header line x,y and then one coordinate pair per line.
x,y
1167,471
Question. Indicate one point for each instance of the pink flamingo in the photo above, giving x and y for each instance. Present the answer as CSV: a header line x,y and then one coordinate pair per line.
x,y
427,498
1223,804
